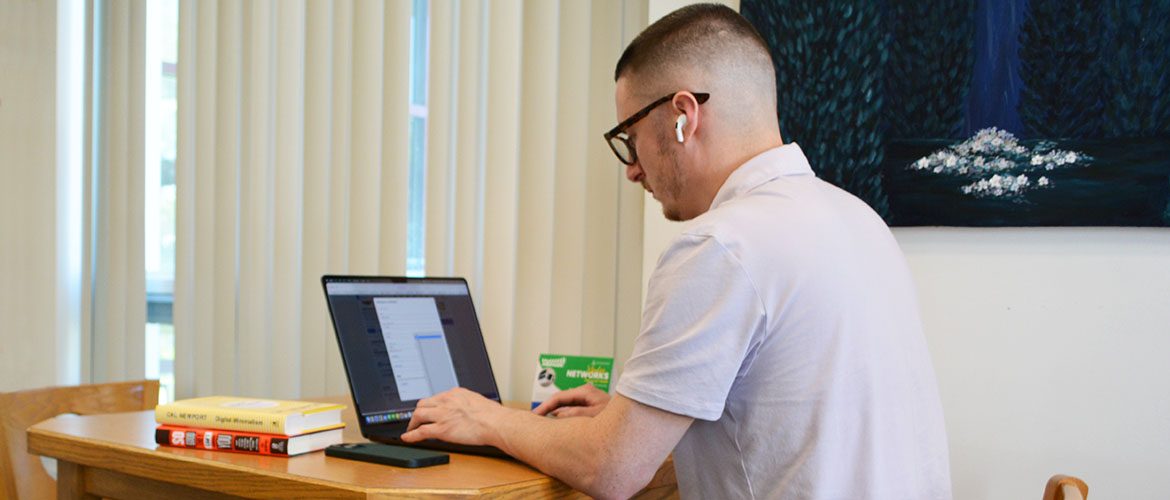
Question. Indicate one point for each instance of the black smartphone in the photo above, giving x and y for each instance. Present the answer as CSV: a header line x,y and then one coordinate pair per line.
x,y
388,454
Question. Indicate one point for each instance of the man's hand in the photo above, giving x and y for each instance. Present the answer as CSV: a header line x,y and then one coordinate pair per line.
x,y
613,454
582,401
456,416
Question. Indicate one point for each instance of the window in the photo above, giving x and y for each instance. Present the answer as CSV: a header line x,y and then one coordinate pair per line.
x,y
416,224
162,20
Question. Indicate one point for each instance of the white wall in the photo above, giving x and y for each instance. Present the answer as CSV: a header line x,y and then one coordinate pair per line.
x,y
1050,347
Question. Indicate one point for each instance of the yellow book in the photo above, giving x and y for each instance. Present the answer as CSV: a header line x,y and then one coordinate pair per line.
x,y
271,416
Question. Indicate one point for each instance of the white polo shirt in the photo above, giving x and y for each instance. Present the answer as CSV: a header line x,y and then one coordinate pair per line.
x,y
784,320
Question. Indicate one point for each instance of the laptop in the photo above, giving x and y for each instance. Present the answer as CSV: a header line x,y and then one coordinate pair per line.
x,y
405,339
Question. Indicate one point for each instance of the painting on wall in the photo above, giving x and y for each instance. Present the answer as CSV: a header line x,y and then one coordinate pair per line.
x,y
980,113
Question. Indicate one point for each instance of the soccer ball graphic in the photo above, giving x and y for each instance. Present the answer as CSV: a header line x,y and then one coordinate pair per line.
x,y
546,377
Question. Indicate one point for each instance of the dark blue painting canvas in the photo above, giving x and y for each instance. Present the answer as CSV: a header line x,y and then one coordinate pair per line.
x,y
980,113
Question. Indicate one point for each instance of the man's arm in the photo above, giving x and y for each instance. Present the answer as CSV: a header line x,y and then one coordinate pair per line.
x,y
611,455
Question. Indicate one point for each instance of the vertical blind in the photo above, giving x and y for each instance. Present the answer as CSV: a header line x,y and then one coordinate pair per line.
x,y
114,272
293,163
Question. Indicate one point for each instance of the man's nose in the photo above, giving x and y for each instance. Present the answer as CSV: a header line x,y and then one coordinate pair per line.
x,y
634,172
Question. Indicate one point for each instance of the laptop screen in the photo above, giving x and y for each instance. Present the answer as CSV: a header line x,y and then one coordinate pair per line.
x,y
404,339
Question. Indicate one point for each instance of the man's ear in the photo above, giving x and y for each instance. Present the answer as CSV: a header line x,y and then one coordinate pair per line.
x,y
687,109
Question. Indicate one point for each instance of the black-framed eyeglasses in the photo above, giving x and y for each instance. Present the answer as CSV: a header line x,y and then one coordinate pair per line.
x,y
619,140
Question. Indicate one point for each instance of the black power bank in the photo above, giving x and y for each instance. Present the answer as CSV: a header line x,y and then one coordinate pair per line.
x,y
388,454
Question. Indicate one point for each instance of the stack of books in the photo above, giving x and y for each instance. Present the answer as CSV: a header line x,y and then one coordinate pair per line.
x,y
247,425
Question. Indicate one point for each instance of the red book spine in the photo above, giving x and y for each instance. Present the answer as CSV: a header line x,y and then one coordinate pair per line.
x,y
220,440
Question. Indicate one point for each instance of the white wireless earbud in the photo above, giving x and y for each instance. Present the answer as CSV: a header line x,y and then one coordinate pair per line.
x,y
678,126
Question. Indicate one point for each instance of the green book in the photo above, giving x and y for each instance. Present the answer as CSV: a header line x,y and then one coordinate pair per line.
x,y
557,372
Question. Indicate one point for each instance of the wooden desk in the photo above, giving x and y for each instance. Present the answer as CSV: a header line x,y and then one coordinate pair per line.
x,y
115,456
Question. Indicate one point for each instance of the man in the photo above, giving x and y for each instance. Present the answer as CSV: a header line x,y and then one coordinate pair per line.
x,y
781,353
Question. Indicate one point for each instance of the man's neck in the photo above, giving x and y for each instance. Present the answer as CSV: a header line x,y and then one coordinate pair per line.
x,y
729,160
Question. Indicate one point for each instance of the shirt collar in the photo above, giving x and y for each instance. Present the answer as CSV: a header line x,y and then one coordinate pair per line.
x,y
780,161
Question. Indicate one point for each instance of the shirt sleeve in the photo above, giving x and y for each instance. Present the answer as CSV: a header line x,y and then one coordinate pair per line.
x,y
702,317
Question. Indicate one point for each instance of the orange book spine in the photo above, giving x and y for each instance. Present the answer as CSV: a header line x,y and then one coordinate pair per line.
x,y
221,440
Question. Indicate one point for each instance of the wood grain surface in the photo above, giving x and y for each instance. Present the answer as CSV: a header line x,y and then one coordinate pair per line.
x,y
115,451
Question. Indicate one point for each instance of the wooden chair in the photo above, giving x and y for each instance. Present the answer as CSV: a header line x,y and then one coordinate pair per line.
x,y
1061,487
21,475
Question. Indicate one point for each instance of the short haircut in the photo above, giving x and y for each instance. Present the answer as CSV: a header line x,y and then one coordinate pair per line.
x,y
692,37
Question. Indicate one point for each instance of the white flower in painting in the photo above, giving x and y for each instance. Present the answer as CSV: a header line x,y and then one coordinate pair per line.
x,y
999,153
998,186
